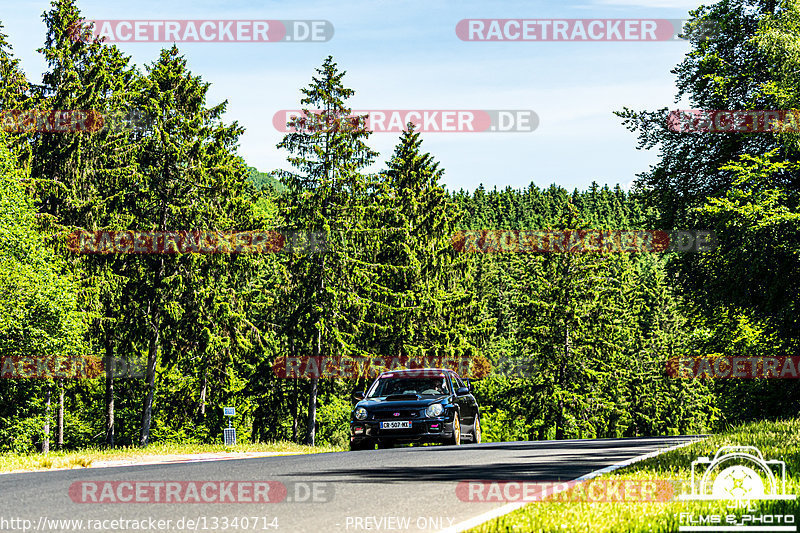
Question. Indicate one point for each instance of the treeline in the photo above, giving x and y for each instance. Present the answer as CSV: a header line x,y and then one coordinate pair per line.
x,y
576,344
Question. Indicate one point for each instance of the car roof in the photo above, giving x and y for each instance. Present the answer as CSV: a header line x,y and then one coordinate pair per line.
x,y
424,372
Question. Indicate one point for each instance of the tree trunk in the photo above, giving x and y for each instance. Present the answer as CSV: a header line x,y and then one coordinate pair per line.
x,y
152,350
561,384
294,414
312,395
294,396
147,408
311,431
46,440
203,389
567,358
109,398
560,420
560,406
60,431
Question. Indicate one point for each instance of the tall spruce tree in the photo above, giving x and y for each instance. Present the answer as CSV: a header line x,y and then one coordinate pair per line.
x,y
419,304
189,178
78,175
327,194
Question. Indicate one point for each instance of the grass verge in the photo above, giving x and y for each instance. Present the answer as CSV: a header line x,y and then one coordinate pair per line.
x,y
776,440
86,457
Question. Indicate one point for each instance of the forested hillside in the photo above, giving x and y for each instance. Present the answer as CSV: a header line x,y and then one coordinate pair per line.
x,y
566,345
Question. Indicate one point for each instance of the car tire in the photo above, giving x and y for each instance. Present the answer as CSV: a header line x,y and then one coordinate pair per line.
x,y
476,431
455,440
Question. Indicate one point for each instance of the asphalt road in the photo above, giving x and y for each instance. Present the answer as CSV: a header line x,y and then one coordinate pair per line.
x,y
402,489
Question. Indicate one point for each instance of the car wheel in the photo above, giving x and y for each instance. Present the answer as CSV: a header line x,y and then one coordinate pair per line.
x,y
456,438
476,431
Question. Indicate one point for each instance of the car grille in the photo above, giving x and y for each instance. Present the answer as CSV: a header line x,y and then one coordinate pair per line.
x,y
389,415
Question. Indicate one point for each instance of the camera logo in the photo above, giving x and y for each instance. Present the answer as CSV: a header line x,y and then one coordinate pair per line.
x,y
738,473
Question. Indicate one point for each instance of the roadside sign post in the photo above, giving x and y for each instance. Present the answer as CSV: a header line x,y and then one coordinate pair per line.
x,y
229,433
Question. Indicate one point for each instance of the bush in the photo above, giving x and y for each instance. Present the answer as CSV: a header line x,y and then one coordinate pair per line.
x,y
21,435
333,419
502,426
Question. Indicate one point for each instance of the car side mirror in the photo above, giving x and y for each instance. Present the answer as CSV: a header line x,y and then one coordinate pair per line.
x,y
468,383
462,391
358,395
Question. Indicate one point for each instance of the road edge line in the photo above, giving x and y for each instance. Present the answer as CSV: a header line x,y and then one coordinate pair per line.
x,y
190,459
510,507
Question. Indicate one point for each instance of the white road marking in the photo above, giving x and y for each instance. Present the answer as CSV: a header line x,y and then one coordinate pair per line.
x,y
509,507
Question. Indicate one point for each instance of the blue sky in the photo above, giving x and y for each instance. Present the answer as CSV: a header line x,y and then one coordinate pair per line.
x,y
404,54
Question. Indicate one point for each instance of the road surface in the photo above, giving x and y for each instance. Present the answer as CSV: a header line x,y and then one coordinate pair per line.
x,y
402,489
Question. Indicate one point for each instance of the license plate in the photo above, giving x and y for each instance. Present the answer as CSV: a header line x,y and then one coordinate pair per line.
x,y
396,424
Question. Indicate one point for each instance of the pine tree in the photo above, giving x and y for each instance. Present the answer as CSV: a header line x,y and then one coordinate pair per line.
x,y
568,327
15,90
189,178
79,175
327,194
420,305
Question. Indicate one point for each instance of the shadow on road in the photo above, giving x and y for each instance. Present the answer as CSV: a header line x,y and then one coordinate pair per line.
x,y
536,461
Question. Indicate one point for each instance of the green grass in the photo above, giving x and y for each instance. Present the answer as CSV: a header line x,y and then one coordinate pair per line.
x,y
776,440
86,457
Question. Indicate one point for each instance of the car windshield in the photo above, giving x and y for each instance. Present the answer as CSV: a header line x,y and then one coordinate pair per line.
x,y
424,386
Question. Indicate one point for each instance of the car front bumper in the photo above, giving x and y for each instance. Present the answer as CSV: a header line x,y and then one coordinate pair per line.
x,y
437,429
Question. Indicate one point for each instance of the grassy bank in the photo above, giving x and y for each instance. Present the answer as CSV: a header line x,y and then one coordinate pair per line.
x,y
776,440
88,457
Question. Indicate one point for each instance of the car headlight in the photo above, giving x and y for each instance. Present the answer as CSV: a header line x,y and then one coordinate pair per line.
x,y
433,410
361,413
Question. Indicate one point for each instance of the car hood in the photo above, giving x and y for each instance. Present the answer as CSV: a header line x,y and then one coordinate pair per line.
x,y
384,403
